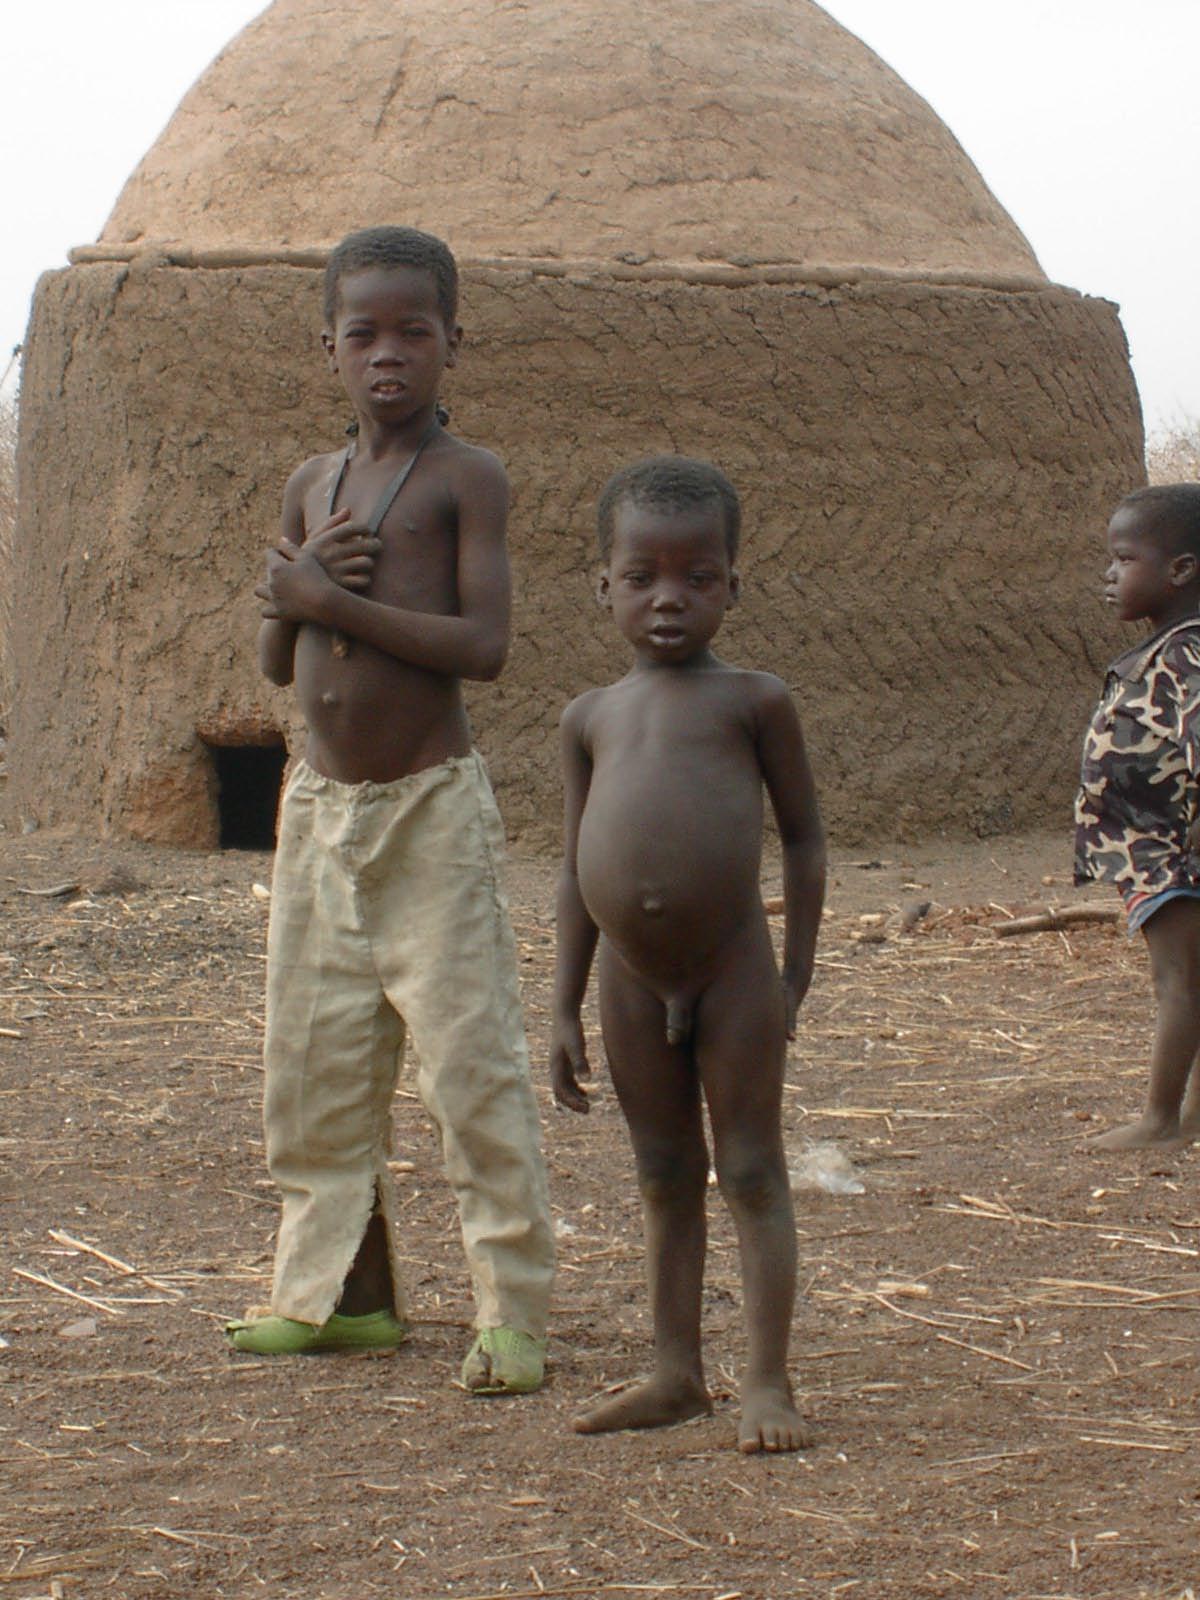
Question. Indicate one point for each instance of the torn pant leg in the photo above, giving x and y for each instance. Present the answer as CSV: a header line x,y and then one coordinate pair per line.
x,y
448,961
333,1049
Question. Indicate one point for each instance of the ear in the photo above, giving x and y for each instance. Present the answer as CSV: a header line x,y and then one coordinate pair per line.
x,y
735,586
604,591
1184,569
453,344
330,349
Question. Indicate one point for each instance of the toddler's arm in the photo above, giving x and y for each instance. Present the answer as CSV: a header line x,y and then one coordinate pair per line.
x,y
789,782
575,932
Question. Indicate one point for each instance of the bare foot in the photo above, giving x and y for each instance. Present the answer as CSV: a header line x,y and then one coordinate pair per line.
x,y
654,1404
1147,1133
770,1421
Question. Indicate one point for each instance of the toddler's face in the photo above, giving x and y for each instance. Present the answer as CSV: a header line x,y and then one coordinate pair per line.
x,y
669,581
1137,580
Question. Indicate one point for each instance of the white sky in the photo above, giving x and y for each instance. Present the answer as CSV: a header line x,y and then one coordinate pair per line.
x,y
1082,115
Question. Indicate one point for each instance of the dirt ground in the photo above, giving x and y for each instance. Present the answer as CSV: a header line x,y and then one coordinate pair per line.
x,y
996,1341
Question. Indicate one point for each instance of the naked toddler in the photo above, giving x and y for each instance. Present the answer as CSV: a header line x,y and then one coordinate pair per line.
x,y
664,772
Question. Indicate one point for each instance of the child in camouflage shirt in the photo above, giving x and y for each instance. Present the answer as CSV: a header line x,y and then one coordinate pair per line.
x,y
1137,822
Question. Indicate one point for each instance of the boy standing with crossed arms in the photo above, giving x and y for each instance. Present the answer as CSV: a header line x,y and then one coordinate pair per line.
x,y
389,586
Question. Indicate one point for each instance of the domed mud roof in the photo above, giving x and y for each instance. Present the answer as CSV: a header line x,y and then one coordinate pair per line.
x,y
744,131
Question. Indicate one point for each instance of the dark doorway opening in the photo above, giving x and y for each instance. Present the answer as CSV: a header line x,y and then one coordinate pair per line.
x,y
249,778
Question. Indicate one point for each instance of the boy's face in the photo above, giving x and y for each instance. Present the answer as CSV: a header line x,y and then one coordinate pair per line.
x,y
668,582
389,344
1141,579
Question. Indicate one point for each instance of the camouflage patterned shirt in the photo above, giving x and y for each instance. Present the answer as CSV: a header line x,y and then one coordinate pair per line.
x,y
1138,789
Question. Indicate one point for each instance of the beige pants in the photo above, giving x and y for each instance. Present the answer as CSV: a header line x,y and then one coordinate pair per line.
x,y
387,914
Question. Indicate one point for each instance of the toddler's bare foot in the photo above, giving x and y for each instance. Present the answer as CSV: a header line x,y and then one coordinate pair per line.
x,y
1147,1133
770,1421
656,1403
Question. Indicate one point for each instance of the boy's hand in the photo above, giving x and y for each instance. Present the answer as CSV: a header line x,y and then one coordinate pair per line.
x,y
262,589
294,584
568,1064
346,550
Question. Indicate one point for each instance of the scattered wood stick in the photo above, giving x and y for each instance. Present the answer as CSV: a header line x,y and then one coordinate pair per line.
x,y
72,1243
877,1111
1109,1288
817,1516
1149,1244
992,1355
54,893
546,1590
61,1288
1132,1444
1051,920
253,1062
661,1527
179,1538
991,1455
913,1316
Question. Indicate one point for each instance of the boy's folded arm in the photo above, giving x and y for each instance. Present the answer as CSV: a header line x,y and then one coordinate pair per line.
x,y
277,650
277,637
471,643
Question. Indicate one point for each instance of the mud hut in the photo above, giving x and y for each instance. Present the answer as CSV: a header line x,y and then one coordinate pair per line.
x,y
719,226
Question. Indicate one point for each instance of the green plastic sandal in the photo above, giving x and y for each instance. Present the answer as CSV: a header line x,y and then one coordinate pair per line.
x,y
281,1336
504,1361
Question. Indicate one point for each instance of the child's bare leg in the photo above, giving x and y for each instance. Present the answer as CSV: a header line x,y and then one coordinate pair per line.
x,y
659,1094
741,1044
1173,940
368,1286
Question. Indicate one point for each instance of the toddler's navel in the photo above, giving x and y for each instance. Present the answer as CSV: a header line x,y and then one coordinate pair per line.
x,y
653,905
329,698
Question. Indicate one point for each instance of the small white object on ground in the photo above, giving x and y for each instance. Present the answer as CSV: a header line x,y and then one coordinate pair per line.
x,y
825,1165
83,1329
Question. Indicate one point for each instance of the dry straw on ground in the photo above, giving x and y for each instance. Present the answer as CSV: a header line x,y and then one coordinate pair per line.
x,y
996,1343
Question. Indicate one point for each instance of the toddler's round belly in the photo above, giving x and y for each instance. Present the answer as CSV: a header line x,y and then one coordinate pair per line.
x,y
667,896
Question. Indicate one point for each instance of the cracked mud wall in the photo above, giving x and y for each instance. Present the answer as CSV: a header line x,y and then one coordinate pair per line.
x,y
926,471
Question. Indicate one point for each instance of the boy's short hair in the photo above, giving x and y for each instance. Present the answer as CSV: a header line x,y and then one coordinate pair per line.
x,y
1169,515
669,483
393,247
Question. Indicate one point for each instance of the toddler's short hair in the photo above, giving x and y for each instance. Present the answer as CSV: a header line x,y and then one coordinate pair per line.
x,y
1169,514
393,247
669,483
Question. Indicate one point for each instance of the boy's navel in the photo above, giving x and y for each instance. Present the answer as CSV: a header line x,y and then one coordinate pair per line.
x,y
329,698
653,905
